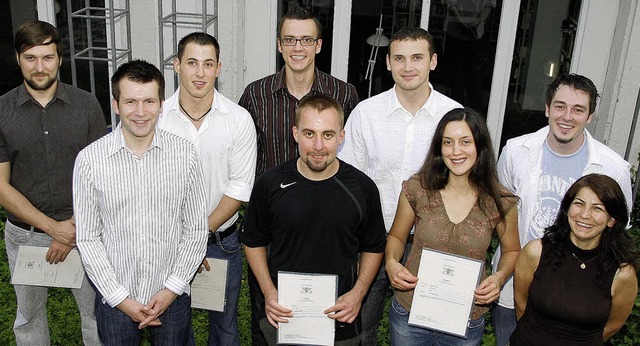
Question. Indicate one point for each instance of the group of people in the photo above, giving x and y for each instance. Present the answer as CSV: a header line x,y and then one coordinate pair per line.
x,y
333,185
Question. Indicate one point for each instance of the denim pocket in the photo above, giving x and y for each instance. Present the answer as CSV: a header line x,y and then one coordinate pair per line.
x,y
231,244
398,308
476,323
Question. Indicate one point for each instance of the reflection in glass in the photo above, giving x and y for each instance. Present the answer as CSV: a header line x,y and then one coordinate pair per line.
x,y
543,49
367,71
465,34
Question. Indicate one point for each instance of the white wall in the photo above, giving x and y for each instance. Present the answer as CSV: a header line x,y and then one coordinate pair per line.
x,y
622,85
260,45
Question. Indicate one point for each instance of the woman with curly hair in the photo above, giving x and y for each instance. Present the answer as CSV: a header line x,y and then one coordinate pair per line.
x,y
577,285
457,205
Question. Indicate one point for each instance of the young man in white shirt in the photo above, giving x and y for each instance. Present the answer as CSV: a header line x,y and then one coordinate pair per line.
x,y
225,137
388,137
139,202
539,167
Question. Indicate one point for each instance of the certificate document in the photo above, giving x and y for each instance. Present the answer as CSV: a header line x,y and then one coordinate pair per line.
x,y
307,295
443,297
32,268
208,287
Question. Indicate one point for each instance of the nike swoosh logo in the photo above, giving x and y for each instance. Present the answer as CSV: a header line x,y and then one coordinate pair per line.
x,y
284,186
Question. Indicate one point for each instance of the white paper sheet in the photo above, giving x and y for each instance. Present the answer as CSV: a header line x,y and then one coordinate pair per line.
x,y
208,287
33,269
308,295
443,297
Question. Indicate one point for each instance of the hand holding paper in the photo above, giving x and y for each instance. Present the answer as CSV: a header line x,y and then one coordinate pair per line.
x,y
275,312
346,308
400,277
488,291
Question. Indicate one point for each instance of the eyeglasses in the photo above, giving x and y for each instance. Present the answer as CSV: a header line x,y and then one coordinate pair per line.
x,y
292,41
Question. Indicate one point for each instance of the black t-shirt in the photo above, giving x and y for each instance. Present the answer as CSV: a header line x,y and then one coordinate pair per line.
x,y
316,226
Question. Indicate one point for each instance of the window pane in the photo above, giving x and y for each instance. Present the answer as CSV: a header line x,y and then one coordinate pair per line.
x,y
543,49
465,34
365,18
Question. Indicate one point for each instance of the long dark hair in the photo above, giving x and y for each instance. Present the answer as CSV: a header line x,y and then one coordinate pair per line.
x,y
616,246
483,177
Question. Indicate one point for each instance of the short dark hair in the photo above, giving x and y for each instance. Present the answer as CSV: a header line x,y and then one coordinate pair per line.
x,y
138,71
577,82
37,33
320,102
199,38
413,33
298,13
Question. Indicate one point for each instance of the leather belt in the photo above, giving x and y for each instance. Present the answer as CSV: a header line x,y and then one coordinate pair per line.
x,y
221,235
26,226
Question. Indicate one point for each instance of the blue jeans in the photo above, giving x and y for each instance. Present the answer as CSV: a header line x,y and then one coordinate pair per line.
x,y
504,323
373,303
31,326
117,328
223,326
402,334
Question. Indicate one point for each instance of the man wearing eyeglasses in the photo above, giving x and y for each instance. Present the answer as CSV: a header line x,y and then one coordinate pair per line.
x,y
272,102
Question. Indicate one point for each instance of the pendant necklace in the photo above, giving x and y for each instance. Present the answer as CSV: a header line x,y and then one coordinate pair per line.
x,y
583,264
189,115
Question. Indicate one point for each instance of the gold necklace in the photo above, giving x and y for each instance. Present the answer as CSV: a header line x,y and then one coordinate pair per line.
x,y
583,264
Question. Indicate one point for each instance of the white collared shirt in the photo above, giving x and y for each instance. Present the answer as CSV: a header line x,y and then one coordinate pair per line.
x,y
226,143
389,144
141,225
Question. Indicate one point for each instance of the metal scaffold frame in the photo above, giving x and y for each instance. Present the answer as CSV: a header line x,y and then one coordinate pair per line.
x,y
112,16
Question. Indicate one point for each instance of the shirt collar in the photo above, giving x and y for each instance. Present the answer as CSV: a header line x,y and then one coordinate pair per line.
x,y
61,93
119,143
172,105
281,82
393,103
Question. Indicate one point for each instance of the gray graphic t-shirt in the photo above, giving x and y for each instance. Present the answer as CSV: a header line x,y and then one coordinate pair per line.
x,y
558,173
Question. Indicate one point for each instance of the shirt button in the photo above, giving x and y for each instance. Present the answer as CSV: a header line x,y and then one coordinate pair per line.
x,y
46,132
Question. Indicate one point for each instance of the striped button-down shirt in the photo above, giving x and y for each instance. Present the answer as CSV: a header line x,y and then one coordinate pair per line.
x,y
141,223
273,109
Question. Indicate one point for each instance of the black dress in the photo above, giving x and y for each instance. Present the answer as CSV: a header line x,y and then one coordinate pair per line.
x,y
566,306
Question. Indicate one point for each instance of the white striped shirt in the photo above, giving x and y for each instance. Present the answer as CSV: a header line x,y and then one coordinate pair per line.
x,y
141,224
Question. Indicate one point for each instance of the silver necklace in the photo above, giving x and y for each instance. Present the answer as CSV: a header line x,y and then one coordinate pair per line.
x,y
583,264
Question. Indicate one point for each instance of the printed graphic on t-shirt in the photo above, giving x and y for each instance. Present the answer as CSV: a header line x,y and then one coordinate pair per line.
x,y
550,192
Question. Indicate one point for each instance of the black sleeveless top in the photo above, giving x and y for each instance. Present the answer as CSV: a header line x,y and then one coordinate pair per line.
x,y
566,306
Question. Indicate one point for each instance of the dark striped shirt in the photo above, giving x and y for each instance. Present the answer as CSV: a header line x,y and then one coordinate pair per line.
x,y
273,110
41,143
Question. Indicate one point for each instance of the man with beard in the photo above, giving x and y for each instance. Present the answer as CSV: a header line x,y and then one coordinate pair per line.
x,y
317,214
44,123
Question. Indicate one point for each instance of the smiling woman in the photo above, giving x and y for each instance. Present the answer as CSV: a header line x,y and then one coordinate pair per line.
x,y
455,204
578,283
